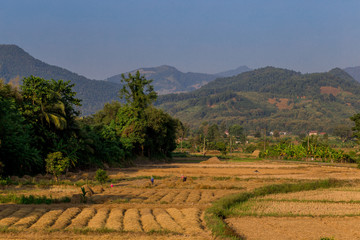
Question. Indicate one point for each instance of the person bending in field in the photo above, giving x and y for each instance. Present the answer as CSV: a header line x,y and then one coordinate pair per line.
x,y
183,178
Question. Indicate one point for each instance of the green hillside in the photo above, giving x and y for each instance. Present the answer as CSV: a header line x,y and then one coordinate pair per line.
x,y
15,63
271,98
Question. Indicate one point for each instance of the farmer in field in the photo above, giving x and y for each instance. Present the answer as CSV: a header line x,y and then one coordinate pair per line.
x,y
183,178
152,180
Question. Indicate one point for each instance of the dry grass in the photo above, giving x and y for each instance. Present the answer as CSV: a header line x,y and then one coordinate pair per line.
x,y
171,206
181,198
30,219
193,217
82,219
194,197
99,220
207,196
65,218
115,219
16,216
132,220
302,208
307,228
329,195
47,219
166,221
185,219
148,220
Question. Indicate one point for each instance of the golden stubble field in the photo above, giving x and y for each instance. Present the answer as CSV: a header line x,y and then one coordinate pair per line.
x,y
172,209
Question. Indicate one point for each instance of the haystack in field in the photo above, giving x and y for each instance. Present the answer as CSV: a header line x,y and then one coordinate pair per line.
x,y
213,160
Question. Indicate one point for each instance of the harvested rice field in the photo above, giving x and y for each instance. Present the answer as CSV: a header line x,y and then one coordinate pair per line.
x,y
133,208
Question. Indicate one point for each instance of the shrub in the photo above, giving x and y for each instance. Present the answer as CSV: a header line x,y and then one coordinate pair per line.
x,y
56,164
101,176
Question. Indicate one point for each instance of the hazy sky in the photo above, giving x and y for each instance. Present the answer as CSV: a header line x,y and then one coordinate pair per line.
x,y
99,39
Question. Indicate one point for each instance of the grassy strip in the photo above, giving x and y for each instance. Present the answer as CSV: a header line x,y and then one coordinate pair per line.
x,y
221,209
12,198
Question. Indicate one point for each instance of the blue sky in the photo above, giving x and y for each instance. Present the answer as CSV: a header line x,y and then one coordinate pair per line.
x,y
99,39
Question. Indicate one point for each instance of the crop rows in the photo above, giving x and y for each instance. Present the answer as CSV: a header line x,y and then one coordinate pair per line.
x,y
134,220
169,195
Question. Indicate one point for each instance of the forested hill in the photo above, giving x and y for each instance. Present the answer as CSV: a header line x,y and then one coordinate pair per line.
x,y
271,98
15,63
168,79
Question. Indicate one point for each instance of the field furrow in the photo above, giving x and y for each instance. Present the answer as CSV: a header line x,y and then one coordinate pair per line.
x,y
178,217
47,219
137,192
7,212
181,198
147,193
169,197
193,197
65,218
148,220
132,220
82,219
99,220
14,217
166,221
116,217
192,215
155,198
30,218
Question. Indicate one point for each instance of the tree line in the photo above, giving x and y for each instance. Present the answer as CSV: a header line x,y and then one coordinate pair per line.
x,y
40,126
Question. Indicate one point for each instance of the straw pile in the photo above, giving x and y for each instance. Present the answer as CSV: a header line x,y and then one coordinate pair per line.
x,y
213,160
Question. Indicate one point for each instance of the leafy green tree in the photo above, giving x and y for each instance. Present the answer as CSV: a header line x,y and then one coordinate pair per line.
x,y
18,156
49,106
160,133
41,103
343,131
237,131
182,131
56,164
213,133
221,146
137,91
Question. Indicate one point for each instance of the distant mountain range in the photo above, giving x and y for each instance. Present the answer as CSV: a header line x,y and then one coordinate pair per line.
x,y
354,72
168,79
271,98
15,63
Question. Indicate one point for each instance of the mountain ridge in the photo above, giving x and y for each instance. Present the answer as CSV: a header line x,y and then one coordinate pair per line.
x,y
17,63
168,79
271,98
